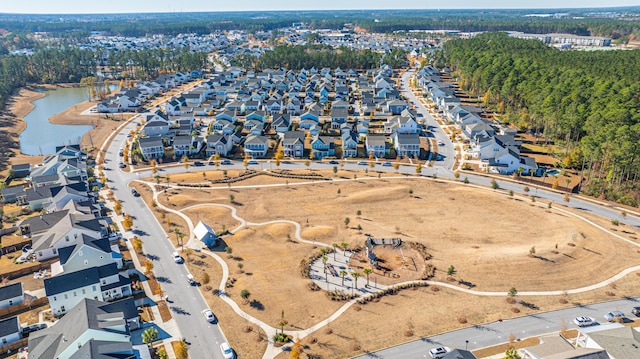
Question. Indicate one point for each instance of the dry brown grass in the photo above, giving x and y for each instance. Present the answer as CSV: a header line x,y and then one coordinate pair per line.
x,y
478,232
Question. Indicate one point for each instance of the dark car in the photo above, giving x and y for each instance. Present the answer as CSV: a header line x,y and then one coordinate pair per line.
x,y
226,162
135,193
333,162
198,163
211,163
636,311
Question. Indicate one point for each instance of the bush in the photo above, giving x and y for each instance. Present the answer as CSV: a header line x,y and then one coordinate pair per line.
x,y
281,337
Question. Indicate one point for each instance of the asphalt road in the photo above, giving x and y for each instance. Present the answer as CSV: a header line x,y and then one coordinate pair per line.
x,y
481,336
186,302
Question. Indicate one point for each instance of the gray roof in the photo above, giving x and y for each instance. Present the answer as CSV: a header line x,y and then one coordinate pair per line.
x,y
44,222
11,291
339,113
89,314
182,141
101,244
376,140
150,142
408,139
69,281
102,349
9,326
291,137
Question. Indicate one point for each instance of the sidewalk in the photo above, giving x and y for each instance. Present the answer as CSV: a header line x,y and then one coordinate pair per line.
x,y
169,326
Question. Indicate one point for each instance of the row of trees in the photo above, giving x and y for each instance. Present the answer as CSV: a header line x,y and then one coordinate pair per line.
x,y
585,100
308,56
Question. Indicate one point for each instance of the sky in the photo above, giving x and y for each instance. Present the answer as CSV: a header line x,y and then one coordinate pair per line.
x,y
132,6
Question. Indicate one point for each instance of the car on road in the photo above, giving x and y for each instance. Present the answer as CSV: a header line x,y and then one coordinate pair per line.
x,y
226,162
636,311
615,315
226,350
177,258
198,164
387,164
121,152
420,115
439,352
440,143
211,163
191,280
584,321
121,165
333,162
208,315
362,163
253,162
135,193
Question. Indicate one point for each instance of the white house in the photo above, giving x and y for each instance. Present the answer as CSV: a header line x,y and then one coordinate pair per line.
x,y
256,146
151,147
9,330
103,283
205,234
11,295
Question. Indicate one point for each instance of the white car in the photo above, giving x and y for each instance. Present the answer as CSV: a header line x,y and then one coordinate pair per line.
x,y
439,352
226,350
176,257
208,315
584,321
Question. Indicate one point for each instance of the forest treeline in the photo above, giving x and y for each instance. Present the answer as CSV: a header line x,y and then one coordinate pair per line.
x,y
308,56
79,26
70,64
588,101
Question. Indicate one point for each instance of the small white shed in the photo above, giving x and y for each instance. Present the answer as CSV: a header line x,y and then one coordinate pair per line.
x,y
205,234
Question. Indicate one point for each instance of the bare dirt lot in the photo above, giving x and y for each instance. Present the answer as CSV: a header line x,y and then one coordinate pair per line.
x,y
488,237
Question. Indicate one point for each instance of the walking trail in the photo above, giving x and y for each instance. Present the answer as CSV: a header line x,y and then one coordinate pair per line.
x,y
272,351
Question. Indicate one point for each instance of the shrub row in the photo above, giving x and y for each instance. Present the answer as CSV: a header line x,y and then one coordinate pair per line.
x,y
390,290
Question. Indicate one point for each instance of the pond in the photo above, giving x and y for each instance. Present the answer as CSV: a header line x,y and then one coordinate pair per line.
x,y
41,136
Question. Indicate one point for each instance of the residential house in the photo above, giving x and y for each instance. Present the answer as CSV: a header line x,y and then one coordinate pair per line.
x,y
256,115
51,231
395,107
256,146
91,329
378,145
281,123
406,144
559,347
108,107
205,234
218,145
155,128
349,144
293,143
322,146
103,283
14,194
401,124
11,294
186,145
509,160
86,252
20,170
151,147
10,330
338,116
619,342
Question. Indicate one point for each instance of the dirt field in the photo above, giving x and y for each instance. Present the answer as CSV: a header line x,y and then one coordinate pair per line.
x,y
486,240
477,242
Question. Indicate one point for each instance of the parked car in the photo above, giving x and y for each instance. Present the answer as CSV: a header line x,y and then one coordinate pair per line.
x,y
615,315
121,165
177,258
211,163
113,236
362,163
636,311
191,280
198,164
584,321
333,162
208,315
387,164
226,350
226,162
121,152
252,162
135,193
439,352
33,328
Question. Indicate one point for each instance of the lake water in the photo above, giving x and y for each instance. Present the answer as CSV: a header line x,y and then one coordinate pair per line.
x,y
41,136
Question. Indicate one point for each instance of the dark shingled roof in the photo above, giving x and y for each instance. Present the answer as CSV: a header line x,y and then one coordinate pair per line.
x,y
9,326
11,291
66,282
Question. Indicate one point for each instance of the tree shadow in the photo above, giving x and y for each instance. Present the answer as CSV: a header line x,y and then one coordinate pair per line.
x,y
179,310
162,279
152,257
529,305
466,283
255,304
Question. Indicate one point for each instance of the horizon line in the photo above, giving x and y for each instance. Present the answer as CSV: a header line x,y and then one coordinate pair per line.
x,y
320,10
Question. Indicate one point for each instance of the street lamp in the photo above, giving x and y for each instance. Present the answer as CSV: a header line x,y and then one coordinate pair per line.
x,y
466,344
